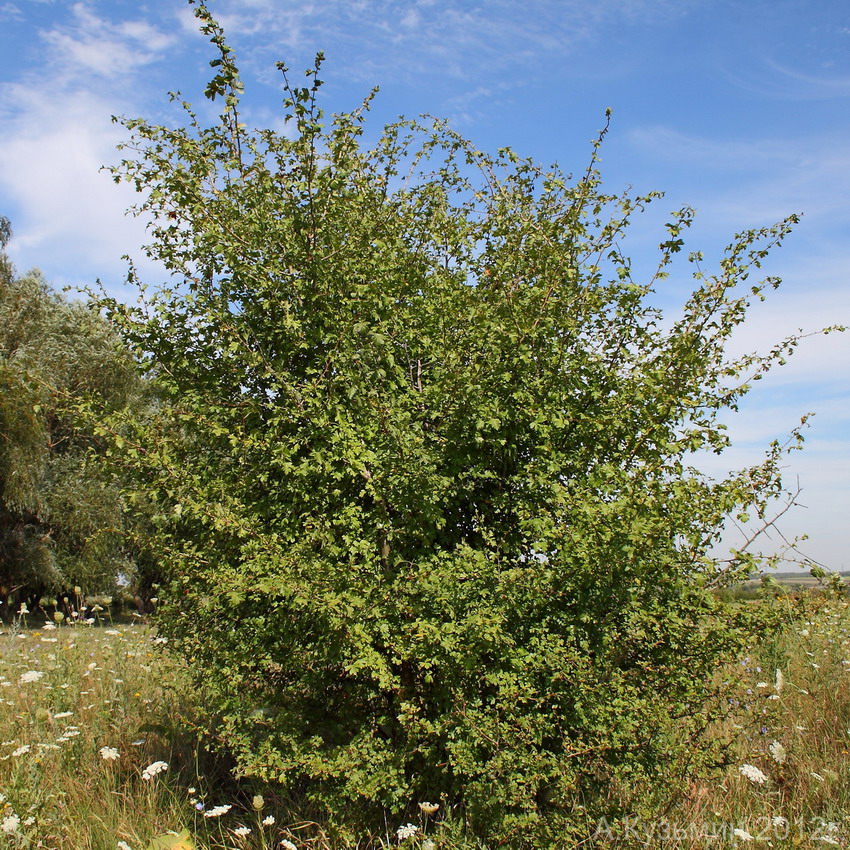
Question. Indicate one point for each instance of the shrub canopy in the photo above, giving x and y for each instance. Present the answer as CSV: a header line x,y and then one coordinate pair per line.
x,y
423,462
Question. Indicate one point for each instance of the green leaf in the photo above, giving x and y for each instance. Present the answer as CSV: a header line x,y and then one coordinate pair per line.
x,y
172,841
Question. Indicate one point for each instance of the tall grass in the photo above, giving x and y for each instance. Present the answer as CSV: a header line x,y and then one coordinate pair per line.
x,y
90,714
791,721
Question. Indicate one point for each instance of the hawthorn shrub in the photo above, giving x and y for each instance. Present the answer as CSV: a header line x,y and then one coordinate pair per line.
x,y
422,461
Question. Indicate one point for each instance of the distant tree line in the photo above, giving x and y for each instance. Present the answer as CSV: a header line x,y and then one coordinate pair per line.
x,y
62,521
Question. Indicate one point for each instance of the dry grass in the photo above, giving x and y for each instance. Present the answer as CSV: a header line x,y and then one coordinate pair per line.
x,y
85,711
788,746
67,693
792,723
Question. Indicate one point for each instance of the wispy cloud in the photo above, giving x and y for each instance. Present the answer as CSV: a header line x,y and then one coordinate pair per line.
x,y
93,44
780,80
460,39
821,471
748,181
10,12
807,173
712,152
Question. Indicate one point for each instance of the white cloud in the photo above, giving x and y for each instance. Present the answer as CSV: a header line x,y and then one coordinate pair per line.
x,y
92,44
821,470
10,12
739,182
461,39
713,153
70,213
143,33
771,78
773,177
67,214
816,297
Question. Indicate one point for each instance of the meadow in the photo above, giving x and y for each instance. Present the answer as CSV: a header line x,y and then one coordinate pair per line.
x,y
100,751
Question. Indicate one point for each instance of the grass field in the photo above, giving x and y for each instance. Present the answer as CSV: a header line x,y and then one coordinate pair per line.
x,y
98,752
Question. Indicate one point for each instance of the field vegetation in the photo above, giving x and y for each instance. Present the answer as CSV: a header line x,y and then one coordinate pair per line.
x,y
101,751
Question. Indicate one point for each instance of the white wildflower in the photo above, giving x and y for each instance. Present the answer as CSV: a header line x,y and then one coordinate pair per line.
x,y
242,831
49,627
30,676
109,753
742,834
428,808
10,824
818,777
777,752
408,830
778,820
61,714
123,845
218,811
751,772
153,769
287,845
268,820
21,750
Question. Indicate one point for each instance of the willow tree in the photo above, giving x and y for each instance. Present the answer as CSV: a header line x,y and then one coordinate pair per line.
x,y
60,518
423,462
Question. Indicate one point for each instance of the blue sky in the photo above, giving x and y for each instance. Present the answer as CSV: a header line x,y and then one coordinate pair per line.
x,y
740,108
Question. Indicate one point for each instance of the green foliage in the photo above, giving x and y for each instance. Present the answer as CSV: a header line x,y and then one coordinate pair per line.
x,y
422,464
60,519
183,841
